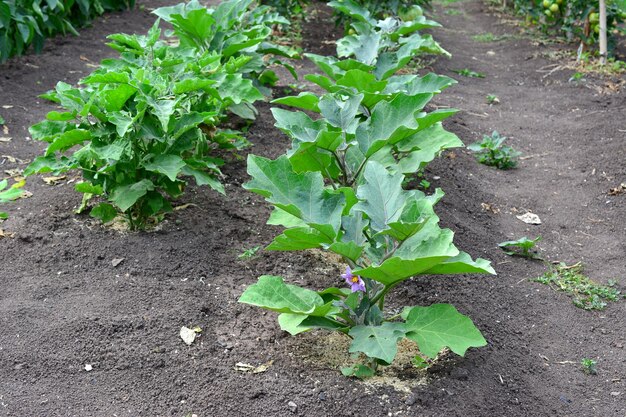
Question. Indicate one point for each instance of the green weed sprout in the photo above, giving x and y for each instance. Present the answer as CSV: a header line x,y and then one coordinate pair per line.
x,y
585,293
469,73
490,151
521,247
589,366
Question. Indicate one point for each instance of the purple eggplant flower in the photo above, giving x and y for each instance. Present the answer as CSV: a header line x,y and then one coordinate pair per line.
x,y
354,281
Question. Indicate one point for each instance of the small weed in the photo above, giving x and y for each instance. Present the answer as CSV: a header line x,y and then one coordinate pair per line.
x,y
469,73
425,184
490,37
490,152
453,12
585,293
492,99
589,366
577,77
249,253
1,121
523,247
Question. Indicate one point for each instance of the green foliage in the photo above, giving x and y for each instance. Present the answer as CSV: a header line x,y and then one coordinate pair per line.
x,y
407,10
25,23
589,366
492,99
249,253
10,194
234,29
339,189
573,18
490,151
288,7
523,247
585,293
141,126
469,73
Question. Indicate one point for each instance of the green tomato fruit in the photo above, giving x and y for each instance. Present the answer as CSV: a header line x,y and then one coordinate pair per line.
x,y
547,4
554,8
351,31
596,29
410,14
559,2
594,17
547,12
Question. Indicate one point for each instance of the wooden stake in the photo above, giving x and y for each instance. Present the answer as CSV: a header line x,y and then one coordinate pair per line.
x,y
603,40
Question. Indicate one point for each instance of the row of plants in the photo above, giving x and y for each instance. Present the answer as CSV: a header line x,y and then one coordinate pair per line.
x,y
574,19
142,125
339,188
26,23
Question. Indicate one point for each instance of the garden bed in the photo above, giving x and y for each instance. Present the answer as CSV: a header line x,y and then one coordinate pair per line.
x,y
73,293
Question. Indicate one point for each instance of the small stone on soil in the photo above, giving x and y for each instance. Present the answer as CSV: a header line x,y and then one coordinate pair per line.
x,y
292,406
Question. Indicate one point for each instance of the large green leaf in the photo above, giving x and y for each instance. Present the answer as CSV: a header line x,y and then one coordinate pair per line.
x,y
391,122
380,342
461,264
302,195
67,140
304,100
381,196
272,293
416,255
422,147
341,110
124,197
299,238
168,165
439,326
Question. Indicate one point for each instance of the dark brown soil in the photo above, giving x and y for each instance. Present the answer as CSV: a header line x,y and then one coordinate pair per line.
x,y
64,305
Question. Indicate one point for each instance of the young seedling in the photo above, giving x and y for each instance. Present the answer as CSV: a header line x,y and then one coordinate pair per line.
x,y
469,73
492,99
585,293
523,247
13,193
589,366
249,253
490,151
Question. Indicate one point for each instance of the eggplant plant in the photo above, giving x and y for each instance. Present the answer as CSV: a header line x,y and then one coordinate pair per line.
x,y
142,124
384,234
26,23
235,29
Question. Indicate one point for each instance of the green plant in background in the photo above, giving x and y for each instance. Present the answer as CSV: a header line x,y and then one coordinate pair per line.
x,y
249,253
469,73
12,193
585,293
589,366
235,29
29,22
406,10
492,99
491,151
142,125
523,247
573,19
291,8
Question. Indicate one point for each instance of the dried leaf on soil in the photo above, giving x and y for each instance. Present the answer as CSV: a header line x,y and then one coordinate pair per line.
x,y
529,218
54,180
245,367
618,190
